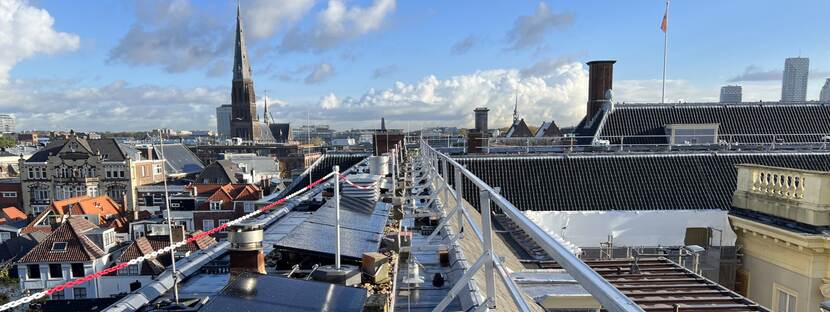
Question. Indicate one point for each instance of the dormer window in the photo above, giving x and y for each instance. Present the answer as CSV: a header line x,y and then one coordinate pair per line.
x,y
216,205
687,134
59,246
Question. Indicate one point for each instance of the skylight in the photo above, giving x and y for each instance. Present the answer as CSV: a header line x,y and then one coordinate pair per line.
x,y
59,246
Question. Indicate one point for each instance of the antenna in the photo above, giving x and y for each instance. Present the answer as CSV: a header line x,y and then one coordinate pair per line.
x,y
169,219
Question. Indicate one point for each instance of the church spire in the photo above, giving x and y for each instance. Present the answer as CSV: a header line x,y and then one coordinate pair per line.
x,y
516,109
241,67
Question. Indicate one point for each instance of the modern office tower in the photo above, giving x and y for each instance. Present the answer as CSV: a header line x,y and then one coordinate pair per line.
x,y
730,94
794,83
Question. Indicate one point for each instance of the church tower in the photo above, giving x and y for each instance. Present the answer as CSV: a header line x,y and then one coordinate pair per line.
x,y
244,120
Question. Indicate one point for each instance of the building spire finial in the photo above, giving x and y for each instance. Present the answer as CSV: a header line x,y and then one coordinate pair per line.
x,y
265,115
241,67
516,108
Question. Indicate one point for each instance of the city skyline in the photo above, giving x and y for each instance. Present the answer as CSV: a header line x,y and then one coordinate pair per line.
x,y
344,64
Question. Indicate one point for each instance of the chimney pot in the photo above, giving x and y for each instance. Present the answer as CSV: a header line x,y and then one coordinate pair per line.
x,y
600,80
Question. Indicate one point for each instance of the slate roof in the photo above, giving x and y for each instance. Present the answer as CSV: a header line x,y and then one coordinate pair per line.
x,y
625,182
281,132
20,245
179,159
79,247
519,130
112,149
733,119
548,129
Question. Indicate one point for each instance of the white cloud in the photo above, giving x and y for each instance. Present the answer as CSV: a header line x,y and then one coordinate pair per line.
x,y
336,24
320,73
26,31
559,94
329,101
264,18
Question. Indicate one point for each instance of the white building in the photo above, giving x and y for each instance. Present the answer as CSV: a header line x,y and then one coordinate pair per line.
x,y
731,94
825,92
794,83
7,123
223,121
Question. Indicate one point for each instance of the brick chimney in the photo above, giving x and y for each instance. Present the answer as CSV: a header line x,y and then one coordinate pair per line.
x,y
600,80
246,249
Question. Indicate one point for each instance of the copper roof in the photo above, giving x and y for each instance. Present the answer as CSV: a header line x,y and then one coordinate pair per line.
x,y
79,247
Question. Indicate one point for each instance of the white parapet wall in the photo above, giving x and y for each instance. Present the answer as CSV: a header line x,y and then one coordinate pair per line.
x,y
588,229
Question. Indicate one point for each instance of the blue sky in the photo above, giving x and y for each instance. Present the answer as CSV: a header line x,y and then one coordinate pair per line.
x,y
122,64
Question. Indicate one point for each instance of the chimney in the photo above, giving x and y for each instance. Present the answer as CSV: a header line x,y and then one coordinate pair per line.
x,y
246,249
481,119
600,80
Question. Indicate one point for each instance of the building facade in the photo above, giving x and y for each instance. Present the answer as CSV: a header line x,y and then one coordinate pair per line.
x,y
223,121
825,92
7,123
77,166
779,215
731,94
794,83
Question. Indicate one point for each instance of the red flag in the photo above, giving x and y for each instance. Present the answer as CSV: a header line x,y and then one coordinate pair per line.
x,y
665,24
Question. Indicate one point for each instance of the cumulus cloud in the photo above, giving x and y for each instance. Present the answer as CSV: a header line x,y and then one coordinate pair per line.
x,y
529,31
384,71
266,17
320,73
336,24
26,31
464,45
559,94
176,36
114,106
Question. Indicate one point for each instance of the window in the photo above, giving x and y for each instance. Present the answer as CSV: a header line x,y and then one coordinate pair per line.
x,y
216,205
58,295
4,236
59,246
785,300
157,169
249,206
79,292
40,194
78,270
693,133
55,271
33,271
143,171
121,173
31,173
92,190
132,270
9,194
223,221
207,225
174,205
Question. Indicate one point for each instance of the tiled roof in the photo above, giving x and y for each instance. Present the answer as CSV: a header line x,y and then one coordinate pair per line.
x,y
12,214
733,119
148,244
79,247
227,192
109,212
625,182
519,130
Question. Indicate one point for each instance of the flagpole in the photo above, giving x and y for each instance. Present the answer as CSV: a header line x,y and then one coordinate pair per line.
x,y
665,52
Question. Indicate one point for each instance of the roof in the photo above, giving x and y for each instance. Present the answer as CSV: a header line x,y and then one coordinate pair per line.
x,y
276,293
596,182
519,129
260,164
12,214
281,132
548,129
20,245
226,168
322,167
179,159
79,247
110,148
148,244
109,212
660,284
732,119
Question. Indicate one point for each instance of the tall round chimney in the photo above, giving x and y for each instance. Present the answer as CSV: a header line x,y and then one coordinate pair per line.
x,y
600,80
481,119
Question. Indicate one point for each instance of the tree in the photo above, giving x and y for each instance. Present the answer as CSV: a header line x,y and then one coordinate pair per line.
x,y
6,142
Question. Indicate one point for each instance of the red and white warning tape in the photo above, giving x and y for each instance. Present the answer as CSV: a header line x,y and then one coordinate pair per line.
x,y
359,187
157,253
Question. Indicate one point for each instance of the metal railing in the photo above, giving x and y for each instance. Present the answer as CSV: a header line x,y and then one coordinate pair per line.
x,y
606,294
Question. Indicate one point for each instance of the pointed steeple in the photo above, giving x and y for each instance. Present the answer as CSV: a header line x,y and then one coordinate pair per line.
x,y
241,67
516,109
265,115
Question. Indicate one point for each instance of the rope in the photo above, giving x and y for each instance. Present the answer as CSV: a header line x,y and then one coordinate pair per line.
x,y
157,253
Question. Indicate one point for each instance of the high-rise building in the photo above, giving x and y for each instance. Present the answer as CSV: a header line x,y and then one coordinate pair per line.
x,y
223,120
7,123
825,92
794,84
244,119
731,94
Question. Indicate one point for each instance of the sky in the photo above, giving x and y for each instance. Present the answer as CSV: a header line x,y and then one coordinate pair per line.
x,y
138,65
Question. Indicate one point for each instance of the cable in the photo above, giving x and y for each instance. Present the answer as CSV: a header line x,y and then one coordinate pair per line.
x,y
154,254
